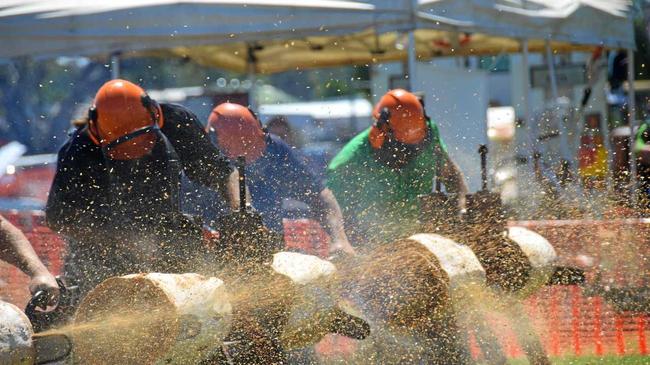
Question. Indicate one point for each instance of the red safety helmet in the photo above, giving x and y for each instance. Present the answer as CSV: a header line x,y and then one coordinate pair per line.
x,y
401,113
237,131
122,118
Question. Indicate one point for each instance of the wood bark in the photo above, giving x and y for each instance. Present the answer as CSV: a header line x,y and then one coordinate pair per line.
x,y
151,318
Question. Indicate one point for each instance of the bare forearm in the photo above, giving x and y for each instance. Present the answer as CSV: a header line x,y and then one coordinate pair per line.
x,y
16,250
330,216
644,156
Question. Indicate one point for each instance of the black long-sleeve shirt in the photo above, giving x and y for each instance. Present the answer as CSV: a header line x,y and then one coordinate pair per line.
x,y
80,201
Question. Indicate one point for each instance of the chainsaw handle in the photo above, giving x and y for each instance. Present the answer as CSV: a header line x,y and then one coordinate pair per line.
x,y
41,299
241,169
483,151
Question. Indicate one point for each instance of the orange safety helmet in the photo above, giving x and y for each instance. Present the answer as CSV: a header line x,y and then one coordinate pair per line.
x,y
237,131
398,112
121,119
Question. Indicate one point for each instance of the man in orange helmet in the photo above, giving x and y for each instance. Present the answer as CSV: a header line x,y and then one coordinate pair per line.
x,y
377,178
116,189
274,173
379,174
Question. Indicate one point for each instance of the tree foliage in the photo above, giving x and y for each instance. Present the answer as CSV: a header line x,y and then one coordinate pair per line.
x,y
642,54
39,98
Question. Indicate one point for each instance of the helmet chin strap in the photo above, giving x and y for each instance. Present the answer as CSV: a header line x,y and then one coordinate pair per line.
x,y
130,136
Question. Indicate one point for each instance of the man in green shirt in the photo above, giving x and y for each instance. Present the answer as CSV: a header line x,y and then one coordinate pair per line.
x,y
379,174
642,153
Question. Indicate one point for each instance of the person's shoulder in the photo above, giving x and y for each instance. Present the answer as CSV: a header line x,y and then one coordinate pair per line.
x,y
173,108
435,135
357,148
276,143
79,143
177,113
80,137
433,125
279,145
644,124
278,149
643,131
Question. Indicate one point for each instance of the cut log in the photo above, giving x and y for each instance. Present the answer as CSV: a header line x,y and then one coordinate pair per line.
x,y
314,308
151,318
427,284
261,303
417,279
541,256
15,336
291,304
507,267
411,290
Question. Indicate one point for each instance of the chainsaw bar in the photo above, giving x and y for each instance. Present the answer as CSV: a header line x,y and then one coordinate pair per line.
x,y
51,348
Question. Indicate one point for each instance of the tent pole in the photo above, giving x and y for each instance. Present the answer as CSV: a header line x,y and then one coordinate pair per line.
x,y
564,141
252,77
251,70
412,60
524,99
115,65
529,127
631,105
551,70
412,54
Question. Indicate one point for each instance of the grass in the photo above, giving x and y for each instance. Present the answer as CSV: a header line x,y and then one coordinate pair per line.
x,y
592,360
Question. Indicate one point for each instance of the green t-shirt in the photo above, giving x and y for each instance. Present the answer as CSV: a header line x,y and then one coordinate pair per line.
x,y
642,137
380,204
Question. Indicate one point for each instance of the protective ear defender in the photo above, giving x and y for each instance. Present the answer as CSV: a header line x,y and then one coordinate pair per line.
x,y
381,129
257,119
154,109
92,128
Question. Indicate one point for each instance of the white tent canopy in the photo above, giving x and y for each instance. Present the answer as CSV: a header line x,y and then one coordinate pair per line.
x,y
316,33
592,22
81,27
442,28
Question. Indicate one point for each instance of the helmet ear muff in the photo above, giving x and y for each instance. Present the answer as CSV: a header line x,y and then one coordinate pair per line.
x,y
380,129
154,109
212,135
257,119
92,126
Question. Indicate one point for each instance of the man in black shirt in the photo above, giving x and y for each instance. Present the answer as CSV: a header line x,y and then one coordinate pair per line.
x,y
115,195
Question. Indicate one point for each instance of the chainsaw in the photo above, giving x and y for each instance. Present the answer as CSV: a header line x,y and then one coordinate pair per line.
x,y
485,211
439,211
51,347
486,208
243,238
245,243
